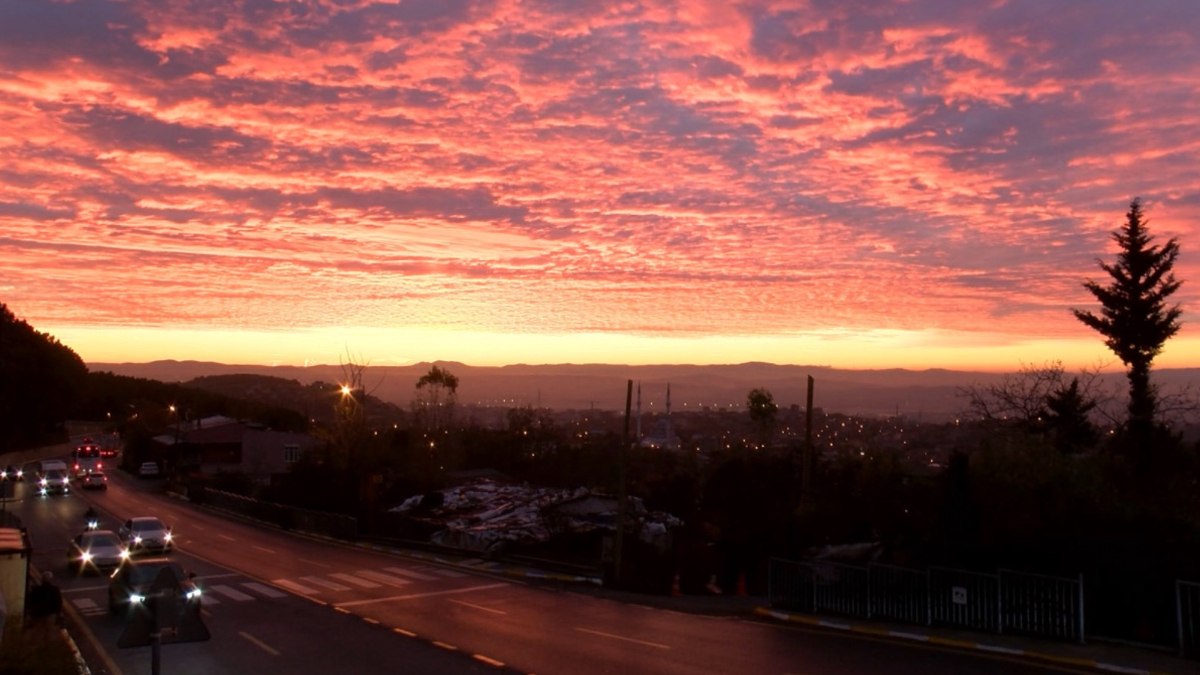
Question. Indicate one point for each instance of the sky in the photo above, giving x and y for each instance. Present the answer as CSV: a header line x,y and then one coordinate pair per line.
x,y
922,184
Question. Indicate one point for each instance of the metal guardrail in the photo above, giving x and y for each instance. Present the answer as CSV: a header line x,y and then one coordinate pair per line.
x,y
1008,601
899,594
1038,604
289,517
1187,615
964,599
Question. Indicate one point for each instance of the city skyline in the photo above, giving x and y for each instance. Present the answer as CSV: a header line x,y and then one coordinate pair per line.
x,y
859,185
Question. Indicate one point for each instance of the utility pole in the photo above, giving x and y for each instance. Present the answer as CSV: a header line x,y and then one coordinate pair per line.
x,y
806,468
622,490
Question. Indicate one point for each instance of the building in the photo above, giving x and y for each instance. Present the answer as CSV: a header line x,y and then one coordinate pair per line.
x,y
223,445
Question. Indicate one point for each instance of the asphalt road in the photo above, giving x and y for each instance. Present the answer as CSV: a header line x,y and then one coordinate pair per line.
x,y
275,602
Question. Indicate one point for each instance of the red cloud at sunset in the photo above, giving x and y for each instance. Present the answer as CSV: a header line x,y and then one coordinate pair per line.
x,y
854,183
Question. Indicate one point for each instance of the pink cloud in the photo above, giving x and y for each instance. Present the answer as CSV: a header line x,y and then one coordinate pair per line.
x,y
554,168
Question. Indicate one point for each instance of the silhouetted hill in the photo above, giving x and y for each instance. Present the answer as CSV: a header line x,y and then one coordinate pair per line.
x,y
312,399
933,394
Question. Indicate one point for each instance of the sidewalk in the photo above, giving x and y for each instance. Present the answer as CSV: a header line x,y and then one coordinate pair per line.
x,y
1095,655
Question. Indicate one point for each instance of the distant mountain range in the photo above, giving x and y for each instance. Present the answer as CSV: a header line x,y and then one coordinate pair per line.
x,y
929,394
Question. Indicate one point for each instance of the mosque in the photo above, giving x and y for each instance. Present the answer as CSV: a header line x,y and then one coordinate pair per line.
x,y
663,435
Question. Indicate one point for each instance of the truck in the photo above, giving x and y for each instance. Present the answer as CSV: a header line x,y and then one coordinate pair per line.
x,y
87,459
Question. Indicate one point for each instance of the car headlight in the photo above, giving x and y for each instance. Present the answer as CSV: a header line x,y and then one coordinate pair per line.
x,y
43,482
168,536
86,556
137,538
124,554
136,598
193,594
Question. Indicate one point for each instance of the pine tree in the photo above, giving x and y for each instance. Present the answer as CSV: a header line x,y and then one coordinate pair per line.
x,y
1135,319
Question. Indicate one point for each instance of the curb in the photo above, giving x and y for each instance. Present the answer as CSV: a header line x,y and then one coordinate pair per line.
x,y
950,642
81,665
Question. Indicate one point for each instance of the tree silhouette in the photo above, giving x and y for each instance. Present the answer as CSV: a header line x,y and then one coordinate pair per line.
x,y
761,405
433,407
41,384
1135,319
1067,419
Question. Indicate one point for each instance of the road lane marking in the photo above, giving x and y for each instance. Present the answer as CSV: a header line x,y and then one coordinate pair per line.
x,y
413,596
444,645
488,660
266,550
410,573
226,537
293,586
351,579
318,581
88,606
259,643
313,562
474,606
264,589
229,592
622,637
383,578
406,633
206,577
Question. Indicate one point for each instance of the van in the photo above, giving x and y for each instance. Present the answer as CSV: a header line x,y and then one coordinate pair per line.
x,y
54,481
52,465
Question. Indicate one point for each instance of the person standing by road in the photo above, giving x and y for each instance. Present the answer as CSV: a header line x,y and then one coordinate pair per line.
x,y
45,607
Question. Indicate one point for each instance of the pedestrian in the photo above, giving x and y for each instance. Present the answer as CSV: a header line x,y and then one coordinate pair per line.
x,y
45,607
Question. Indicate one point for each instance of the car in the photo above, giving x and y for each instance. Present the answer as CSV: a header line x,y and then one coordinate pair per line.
x,y
94,481
96,551
131,583
54,481
146,534
148,470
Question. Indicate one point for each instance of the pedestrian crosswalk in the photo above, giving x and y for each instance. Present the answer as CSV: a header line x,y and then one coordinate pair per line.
x,y
219,589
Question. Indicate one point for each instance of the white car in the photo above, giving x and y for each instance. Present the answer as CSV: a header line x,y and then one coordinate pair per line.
x,y
96,550
54,481
146,534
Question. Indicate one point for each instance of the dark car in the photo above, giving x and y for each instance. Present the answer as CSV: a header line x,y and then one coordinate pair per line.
x,y
146,534
131,584
96,550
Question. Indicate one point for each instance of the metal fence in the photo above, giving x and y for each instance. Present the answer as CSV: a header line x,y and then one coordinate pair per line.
x,y
1005,602
1187,614
964,599
1037,604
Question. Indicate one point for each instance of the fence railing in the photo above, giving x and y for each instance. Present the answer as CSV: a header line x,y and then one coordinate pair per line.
x,y
288,517
1187,614
1005,602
